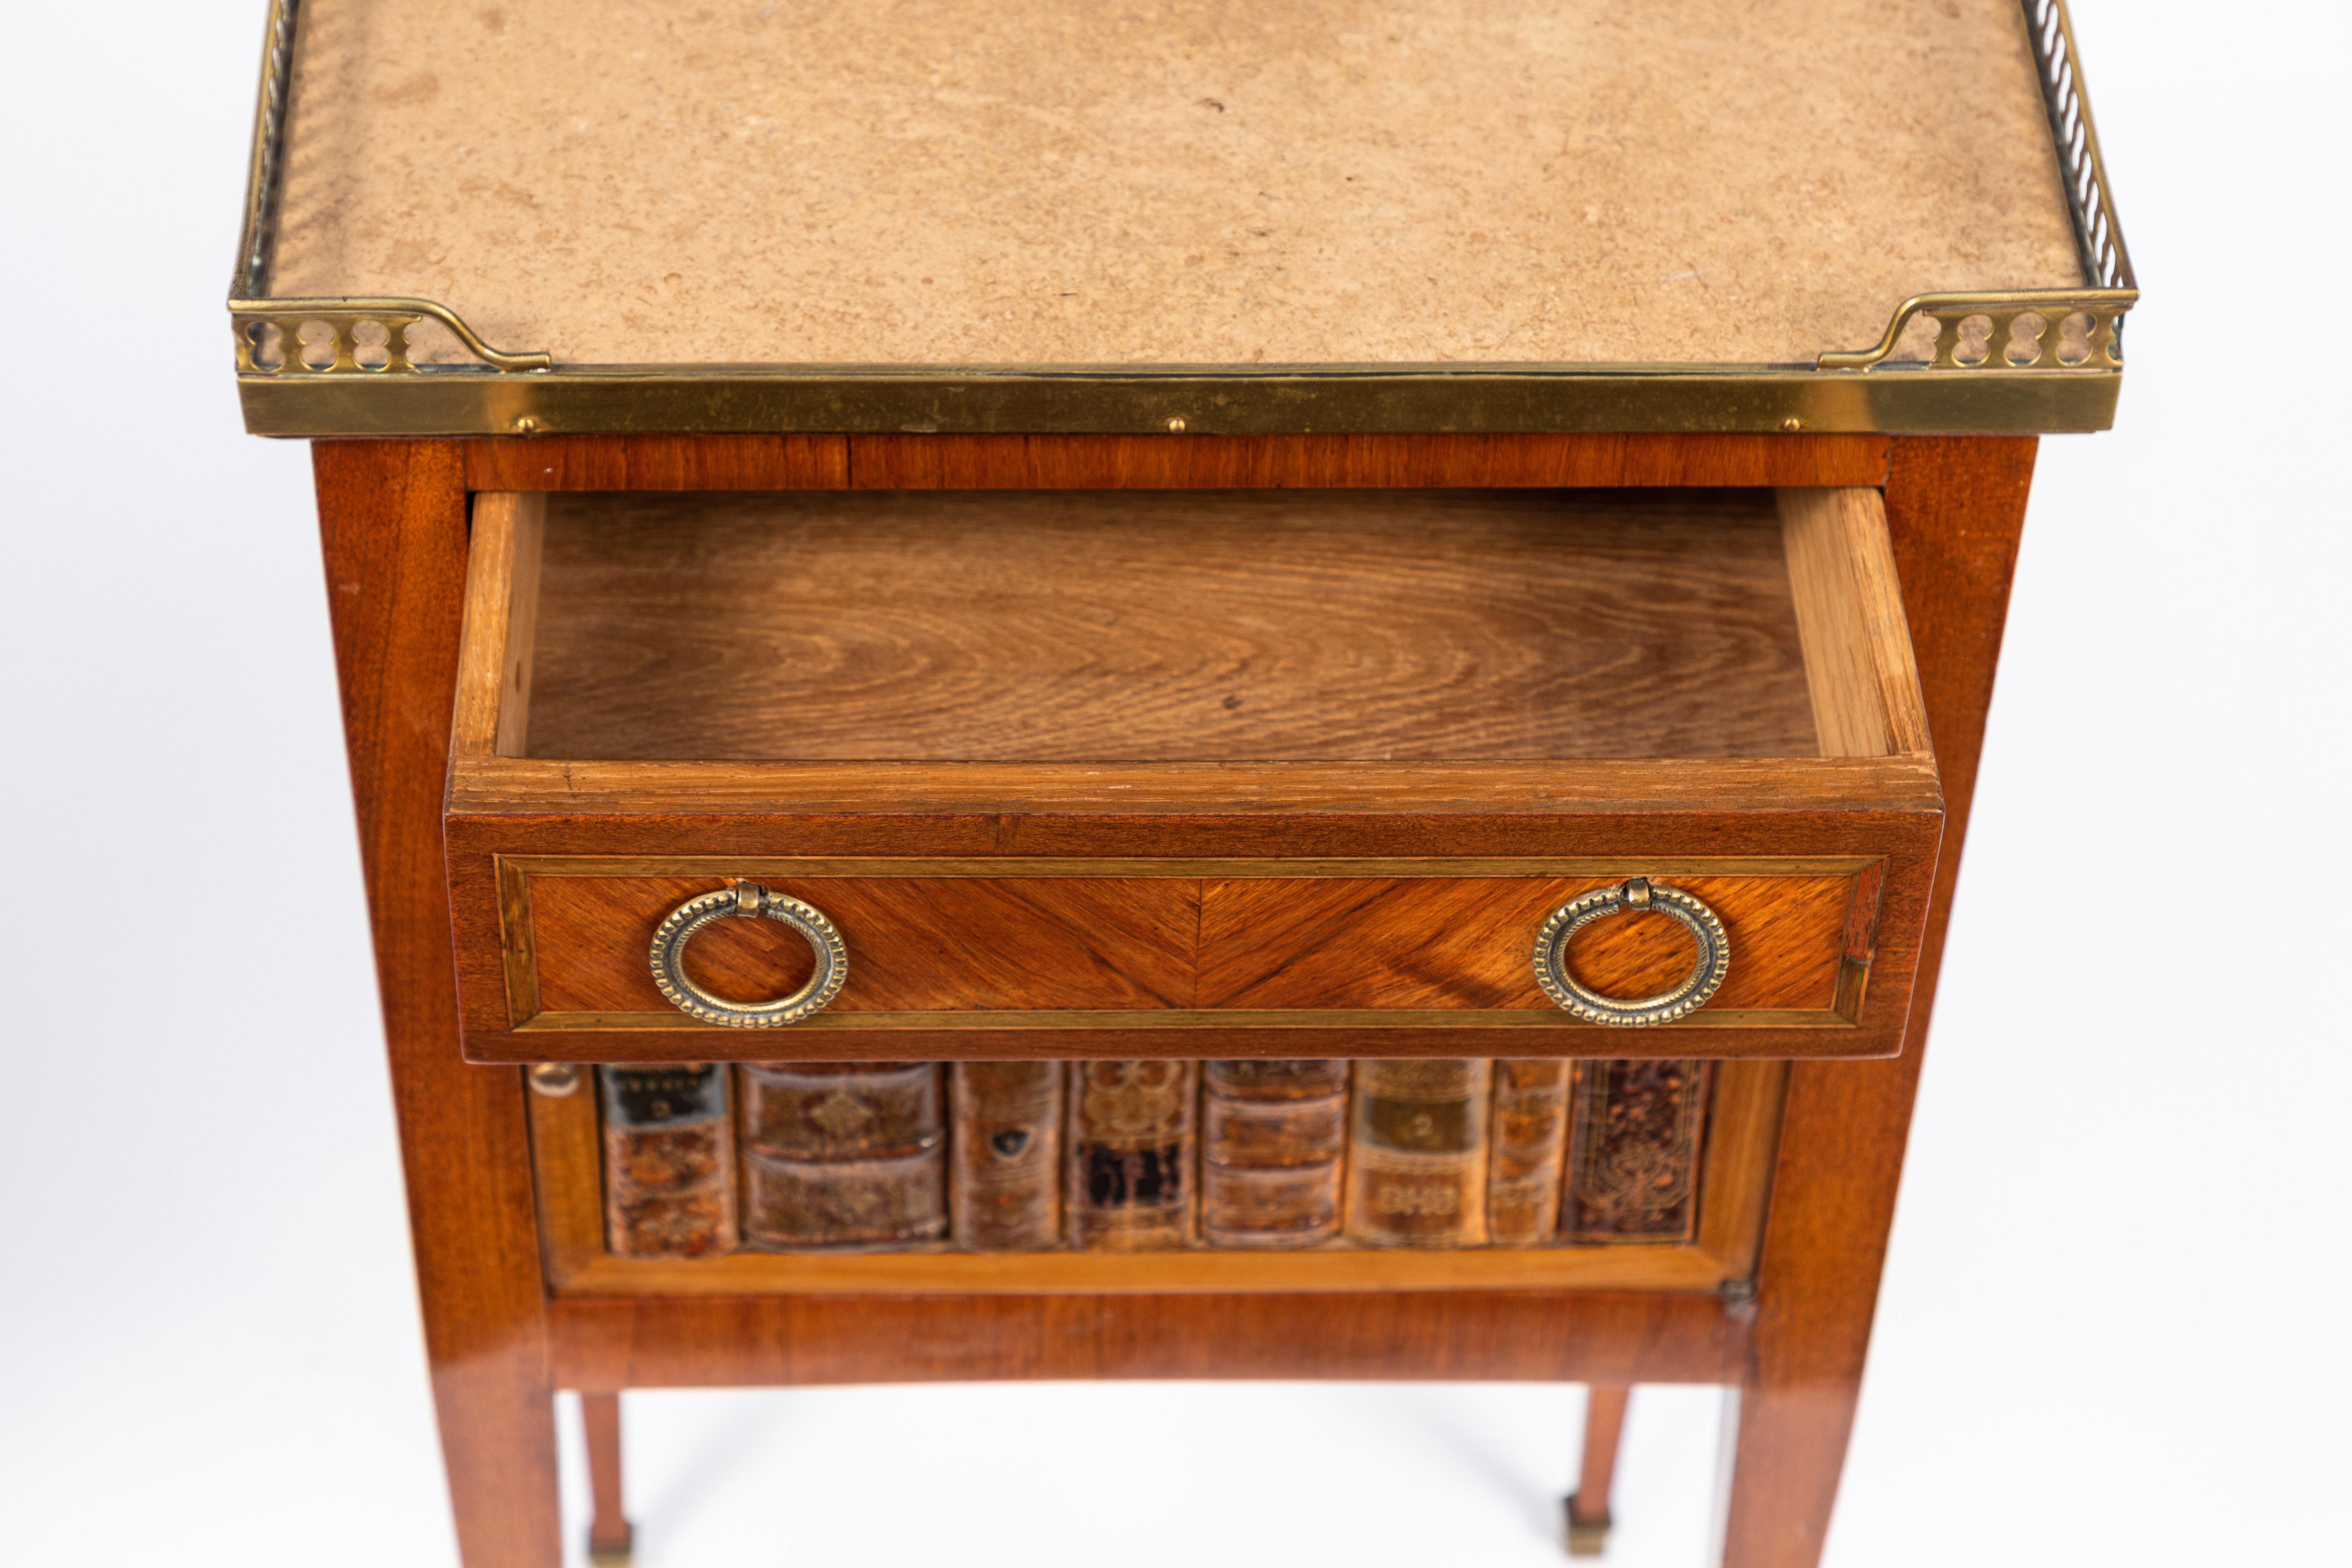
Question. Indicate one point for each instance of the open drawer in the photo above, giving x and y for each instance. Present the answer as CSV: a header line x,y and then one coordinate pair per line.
x,y
1190,773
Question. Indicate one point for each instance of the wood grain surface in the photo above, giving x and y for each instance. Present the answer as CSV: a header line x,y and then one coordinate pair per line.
x,y
1596,1473
1465,943
933,943
1385,462
984,967
1849,608
502,618
1115,808
608,1521
392,519
1751,835
1089,626
723,1341
1955,508
1163,462
916,943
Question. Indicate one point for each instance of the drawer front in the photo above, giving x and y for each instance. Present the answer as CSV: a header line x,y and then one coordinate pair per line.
x,y
1022,958
1212,774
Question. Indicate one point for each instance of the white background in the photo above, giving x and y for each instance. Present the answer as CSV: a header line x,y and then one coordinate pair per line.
x,y
2111,1326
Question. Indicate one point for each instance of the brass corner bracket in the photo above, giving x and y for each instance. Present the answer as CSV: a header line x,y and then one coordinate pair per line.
x,y
2071,328
254,316
342,350
2031,329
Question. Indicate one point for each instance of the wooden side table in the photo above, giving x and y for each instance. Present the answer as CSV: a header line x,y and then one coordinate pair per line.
x,y
1886,486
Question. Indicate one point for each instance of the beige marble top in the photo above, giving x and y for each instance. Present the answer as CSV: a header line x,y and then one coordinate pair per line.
x,y
1158,181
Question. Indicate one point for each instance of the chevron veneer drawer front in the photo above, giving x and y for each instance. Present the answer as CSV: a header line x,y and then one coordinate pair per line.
x,y
1181,957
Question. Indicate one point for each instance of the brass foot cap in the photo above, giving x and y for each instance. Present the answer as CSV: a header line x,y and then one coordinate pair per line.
x,y
1586,1537
612,1554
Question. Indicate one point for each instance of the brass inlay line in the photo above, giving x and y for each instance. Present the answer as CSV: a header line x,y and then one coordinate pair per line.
x,y
1239,400
1389,867
1204,1018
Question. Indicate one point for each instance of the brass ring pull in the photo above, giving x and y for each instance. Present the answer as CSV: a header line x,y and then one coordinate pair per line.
x,y
1640,893
747,901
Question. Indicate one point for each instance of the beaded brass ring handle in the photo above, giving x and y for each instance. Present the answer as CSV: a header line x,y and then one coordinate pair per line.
x,y
1640,893
747,900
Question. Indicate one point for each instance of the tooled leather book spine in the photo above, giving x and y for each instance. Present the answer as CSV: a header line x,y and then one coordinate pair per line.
x,y
844,1155
1004,1164
1130,1169
1635,1150
1417,1154
669,1160
1530,1141
1274,1136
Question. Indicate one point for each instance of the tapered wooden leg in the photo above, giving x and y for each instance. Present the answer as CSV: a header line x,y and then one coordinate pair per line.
x,y
392,521
1955,507
1587,1506
609,1534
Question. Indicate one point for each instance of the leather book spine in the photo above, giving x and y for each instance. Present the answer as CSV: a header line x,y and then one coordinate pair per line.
x,y
1635,1150
1274,1136
844,1155
1004,1164
669,1160
1530,1144
1417,1154
1130,1169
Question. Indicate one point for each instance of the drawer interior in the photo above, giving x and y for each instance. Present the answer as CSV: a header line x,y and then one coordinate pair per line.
x,y
1245,626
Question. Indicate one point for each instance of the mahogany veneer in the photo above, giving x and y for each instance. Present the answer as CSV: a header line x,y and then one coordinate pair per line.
x,y
442,800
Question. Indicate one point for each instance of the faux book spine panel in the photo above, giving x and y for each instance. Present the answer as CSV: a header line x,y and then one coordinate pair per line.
x,y
1272,1137
1529,1148
669,1160
1005,1161
1417,1154
1139,1155
1131,1155
1634,1157
842,1154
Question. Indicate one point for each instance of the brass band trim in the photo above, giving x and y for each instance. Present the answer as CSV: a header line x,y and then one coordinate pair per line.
x,y
1212,401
